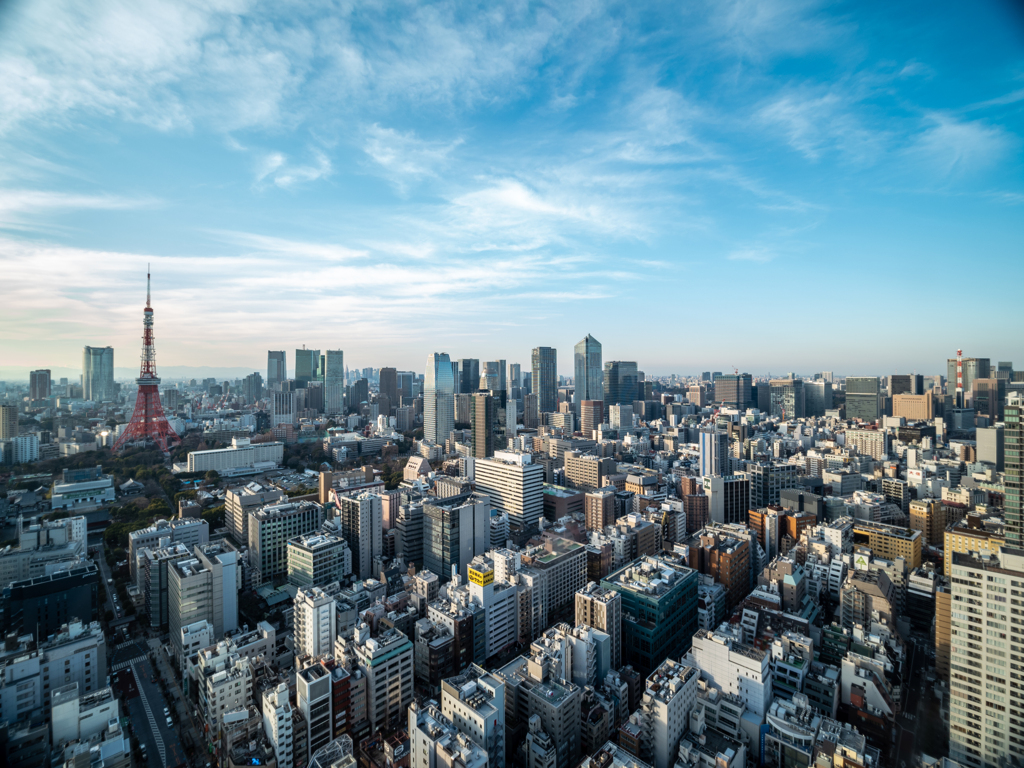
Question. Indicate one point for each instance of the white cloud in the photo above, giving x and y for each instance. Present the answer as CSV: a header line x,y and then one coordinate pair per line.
x,y
951,147
758,254
274,167
403,156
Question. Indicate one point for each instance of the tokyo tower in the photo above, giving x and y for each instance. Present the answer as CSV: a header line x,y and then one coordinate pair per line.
x,y
148,422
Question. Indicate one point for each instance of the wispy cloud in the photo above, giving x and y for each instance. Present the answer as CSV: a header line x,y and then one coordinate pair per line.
x,y
951,147
276,169
758,255
404,157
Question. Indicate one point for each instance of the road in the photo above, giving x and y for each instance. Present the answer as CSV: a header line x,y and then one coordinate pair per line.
x,y
913,685
99,556
186,726
133,676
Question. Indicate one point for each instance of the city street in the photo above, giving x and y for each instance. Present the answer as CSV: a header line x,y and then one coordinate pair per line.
x,y
913,683
133,677
188,733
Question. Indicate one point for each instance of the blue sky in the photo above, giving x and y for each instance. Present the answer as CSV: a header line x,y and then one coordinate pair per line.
x,y
767,185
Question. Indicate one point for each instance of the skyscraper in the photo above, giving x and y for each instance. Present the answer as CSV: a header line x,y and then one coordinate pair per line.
x,y
469,372
1013,439
277,369
714,452
588,370
620,379
786,398
733,390
515,375
39,384
545,378
306,364
906,384
438,398
8,422
974,368
334,381
98,373
489,376
483,419
389,385
862,398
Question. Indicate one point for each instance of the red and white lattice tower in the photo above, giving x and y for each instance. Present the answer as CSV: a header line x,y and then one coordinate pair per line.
x,y
148,422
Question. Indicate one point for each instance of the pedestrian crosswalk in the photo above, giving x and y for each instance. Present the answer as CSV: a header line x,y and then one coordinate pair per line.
x,y
125,664
119,646
152,722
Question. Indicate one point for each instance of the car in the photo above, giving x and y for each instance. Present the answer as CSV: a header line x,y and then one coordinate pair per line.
x,y
166,711
110,581
169,721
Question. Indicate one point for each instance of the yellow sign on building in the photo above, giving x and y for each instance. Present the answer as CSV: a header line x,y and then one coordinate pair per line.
x,y
481,578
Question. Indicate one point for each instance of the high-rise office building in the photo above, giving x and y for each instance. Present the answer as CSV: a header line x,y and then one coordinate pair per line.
x,y
438,398
714,452
483,423
277,368
591,416
317,558
515,375
545,378
269,531
98,373
389,386
733,390
786,398
988,398
515,486
588,370
906,384
1013,439
334,381
974,368
454,532
469,373
307,365
862,398
8,422
620,382
490,376
252,390
203,588
39,384
362,526
817,397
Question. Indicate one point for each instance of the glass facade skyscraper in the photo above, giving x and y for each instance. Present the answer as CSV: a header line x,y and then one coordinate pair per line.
x,y
438,398
588,370
545,378
620,382
307,361
334,381
98,373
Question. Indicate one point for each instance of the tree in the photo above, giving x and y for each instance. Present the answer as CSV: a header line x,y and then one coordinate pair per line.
x,y
213,474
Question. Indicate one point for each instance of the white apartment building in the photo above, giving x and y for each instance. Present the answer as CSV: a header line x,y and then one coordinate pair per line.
x,y
315,622
499,603
514,484
243,457
224,683
733,667
277,724
985,628
76,716
475,704
665,709
387,661
434,741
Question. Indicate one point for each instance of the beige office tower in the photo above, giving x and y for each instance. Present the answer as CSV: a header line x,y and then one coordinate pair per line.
x,y
601,609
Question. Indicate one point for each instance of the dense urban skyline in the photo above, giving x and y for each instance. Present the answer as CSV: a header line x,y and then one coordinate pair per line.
x,y
484,184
